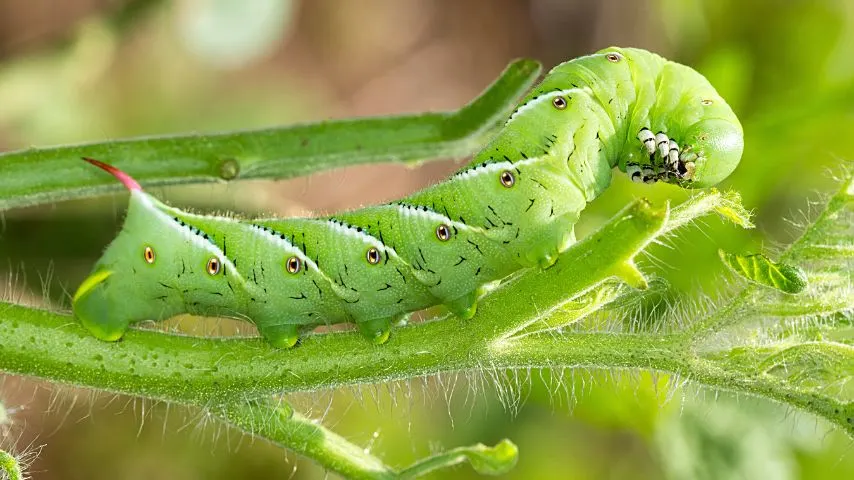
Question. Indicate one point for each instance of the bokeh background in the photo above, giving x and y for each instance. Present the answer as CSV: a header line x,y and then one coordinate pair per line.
x,y
88,70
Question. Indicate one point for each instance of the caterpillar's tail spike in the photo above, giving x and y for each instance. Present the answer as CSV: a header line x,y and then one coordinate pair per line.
x,y
121,176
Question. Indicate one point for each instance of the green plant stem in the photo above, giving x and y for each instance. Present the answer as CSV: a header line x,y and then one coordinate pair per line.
x,y
9,465
200,371
34,176
282,425
277,422
713,374
596,350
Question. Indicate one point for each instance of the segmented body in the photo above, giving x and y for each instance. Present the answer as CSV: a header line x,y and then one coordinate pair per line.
x,y
513,207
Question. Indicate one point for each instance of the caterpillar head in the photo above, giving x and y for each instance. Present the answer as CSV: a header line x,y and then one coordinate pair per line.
x,y
707,131
716,146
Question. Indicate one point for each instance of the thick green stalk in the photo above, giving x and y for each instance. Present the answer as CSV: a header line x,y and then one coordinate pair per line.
x,y
39,175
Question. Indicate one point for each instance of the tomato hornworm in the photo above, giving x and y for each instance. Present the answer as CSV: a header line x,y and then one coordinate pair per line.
x,y
514,206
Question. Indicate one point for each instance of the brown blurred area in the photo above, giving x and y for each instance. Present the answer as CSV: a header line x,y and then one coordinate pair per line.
x,y
27,26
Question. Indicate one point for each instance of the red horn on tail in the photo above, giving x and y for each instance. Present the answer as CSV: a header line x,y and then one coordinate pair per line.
x,y
123,177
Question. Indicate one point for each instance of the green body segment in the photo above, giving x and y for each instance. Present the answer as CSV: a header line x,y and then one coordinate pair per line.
x,y
513,207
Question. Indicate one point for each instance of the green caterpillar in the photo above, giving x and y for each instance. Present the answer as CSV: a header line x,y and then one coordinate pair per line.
x,y
513,207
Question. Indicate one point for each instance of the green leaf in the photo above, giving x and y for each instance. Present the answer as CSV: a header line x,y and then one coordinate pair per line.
x,y
576,309
276,421
727,205
759,269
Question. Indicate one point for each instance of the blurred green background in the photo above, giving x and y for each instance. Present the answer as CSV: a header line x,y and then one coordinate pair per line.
x,y
90,70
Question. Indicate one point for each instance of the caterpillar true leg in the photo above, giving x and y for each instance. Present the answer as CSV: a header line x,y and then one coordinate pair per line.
x,y
649,175
666,159
672,155
633,170
658,148
647,139
642,172
662,144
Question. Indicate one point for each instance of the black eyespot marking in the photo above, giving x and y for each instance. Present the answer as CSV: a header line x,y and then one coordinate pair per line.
x,y
373,256
214,267
293,265
443,233
614,57
559,103
148,255
707,102
507,178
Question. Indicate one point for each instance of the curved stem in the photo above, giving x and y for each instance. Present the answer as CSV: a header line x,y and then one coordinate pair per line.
x,y
485,460
280,424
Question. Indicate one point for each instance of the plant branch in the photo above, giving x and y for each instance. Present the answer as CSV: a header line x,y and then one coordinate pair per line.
x,y
280,424
40,175
485,460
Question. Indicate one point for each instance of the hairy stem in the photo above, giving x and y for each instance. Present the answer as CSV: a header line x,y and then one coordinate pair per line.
x,y
485,460
9,465
839,413
280,424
